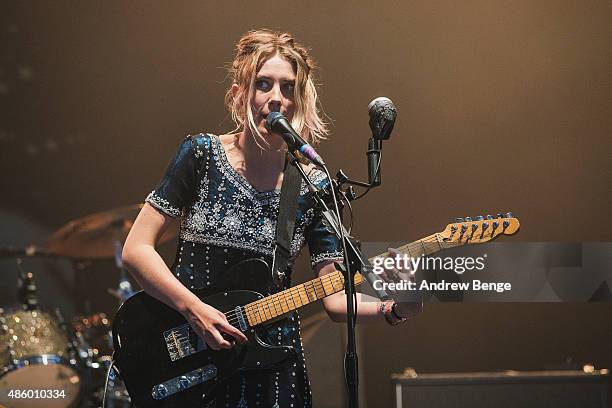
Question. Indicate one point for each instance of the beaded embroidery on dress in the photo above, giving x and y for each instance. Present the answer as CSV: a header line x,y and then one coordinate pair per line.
x,y
223,221
227,211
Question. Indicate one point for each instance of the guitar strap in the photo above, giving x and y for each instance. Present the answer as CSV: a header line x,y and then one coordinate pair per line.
x,y
285,223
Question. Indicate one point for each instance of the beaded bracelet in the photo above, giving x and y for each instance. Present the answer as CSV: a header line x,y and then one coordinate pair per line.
x,y
388,310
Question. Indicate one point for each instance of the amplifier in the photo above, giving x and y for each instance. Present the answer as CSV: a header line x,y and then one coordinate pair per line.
x,y
525,389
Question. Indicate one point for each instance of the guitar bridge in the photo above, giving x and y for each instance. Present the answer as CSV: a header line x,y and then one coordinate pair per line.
x,y
182,341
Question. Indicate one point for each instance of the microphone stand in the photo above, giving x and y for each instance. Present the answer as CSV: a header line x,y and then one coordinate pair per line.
x,y
354,260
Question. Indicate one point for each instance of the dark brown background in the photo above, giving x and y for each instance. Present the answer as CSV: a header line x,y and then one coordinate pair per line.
x,y
502,106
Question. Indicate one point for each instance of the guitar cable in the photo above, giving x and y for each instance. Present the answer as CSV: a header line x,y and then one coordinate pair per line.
x,y
110,368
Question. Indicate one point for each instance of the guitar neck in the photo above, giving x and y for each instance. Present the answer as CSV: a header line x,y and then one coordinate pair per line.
x,y
288,300
464,232
271,307
423,247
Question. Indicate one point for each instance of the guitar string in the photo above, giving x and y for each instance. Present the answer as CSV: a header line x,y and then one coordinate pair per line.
x,y
329,279
280,298
315,285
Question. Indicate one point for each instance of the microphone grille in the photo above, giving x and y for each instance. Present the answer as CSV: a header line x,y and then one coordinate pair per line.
x,y
382,106
272,118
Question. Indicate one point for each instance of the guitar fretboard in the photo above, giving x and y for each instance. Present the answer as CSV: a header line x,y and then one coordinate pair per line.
x,y
283,302
423,247
271,307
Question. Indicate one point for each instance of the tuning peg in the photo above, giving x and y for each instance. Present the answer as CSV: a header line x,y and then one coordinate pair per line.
x,y
463,228
453,229
489,217
474,227
459,220
495,225
468,219
500,215
508,215
485,225
506,224
479,218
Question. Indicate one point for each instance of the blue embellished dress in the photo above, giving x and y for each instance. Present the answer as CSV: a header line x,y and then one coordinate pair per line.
x,y
223,221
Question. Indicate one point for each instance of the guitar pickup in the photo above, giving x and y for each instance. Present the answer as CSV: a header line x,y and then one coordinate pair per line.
x,y
241,320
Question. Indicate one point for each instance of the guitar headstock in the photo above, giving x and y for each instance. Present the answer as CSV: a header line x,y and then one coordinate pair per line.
x,y
480,229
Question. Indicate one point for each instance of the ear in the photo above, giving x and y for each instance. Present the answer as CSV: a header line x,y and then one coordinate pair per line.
x,y
234,90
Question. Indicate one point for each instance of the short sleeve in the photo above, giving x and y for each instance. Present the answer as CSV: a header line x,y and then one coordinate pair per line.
x,y
177,188
322,242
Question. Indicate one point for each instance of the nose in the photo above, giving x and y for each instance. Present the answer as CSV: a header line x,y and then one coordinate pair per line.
x,y
275,101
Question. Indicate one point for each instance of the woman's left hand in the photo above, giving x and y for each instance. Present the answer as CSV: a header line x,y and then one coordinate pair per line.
x,y
408,299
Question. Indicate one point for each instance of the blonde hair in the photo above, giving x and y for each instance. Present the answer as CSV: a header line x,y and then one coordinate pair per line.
x,y
252,51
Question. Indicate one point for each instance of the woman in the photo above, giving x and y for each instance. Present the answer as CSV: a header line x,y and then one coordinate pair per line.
x,y
226,189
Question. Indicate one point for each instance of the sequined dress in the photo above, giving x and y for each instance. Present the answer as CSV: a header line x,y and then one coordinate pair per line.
x,y
223,221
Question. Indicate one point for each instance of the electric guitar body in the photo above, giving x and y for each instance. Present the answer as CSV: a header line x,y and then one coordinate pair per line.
x,y
160,357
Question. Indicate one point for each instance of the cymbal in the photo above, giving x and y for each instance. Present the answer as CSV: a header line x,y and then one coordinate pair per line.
x,y
95,235
30,251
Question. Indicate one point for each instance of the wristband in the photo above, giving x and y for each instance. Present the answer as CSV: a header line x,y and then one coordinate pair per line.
x,y
397,316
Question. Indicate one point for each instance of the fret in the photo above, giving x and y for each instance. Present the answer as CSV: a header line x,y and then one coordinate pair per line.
x,y
272,306
319,290
293,306
267,304
278,306
303,295
308,290
284,302
295,293
279,302
259,318
438,241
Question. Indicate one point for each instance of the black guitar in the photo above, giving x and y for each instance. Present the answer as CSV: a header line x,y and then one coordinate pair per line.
x,y
165,364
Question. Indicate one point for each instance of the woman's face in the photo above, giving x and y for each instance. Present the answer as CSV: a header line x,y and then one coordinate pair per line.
x,y
274,92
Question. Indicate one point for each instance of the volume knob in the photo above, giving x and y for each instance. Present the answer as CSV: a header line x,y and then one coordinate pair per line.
x,y
159,391
183,382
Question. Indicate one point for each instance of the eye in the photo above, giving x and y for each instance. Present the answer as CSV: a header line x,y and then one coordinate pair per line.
x,y
262,85
288,89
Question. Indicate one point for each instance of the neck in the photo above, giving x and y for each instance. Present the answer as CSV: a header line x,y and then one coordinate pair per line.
x,y
255,158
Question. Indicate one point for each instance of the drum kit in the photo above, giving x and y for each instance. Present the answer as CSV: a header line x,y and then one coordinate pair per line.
x,y
46,361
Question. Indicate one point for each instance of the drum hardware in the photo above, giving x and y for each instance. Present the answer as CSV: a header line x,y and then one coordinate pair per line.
x,y
43,350
30,251
26,288
124,291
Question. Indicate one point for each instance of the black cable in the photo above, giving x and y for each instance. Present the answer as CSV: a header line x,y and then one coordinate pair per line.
x,y
374,178
350,207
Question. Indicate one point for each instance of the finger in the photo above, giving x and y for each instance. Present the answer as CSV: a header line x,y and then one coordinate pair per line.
x,y
222,343
210,341
234,332
385,276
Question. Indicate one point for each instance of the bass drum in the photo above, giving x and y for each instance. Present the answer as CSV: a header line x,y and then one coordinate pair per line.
x,y
35,364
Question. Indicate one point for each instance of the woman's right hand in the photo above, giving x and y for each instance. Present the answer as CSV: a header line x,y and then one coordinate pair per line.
x,y
211,325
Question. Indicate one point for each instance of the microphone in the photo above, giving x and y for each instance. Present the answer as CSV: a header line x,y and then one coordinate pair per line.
x,y
276,122
382,118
